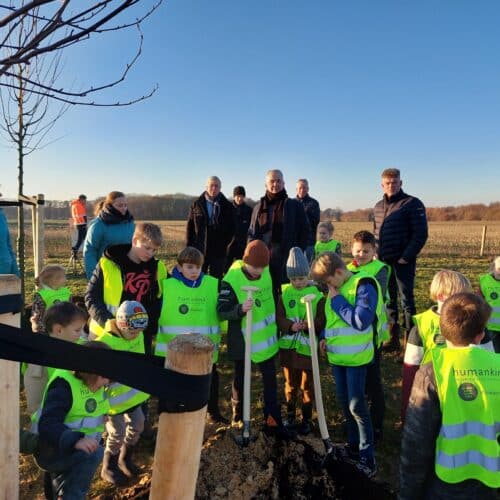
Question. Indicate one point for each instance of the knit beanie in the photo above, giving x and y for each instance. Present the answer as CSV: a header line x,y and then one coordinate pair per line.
x,y
239,190
256,254
131,315
296,265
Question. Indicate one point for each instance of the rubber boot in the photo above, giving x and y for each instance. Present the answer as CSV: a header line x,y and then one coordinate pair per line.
x,y
214,415
305,426
125,462
110,471
290,415
48,488
393,344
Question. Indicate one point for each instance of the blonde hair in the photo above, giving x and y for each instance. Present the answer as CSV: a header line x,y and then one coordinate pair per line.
x,y
325,265
447,283
110,198
146,231
47,274
190,255
392,173
326,224
495,264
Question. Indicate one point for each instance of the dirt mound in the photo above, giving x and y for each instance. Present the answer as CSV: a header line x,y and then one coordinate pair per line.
x,y
271,468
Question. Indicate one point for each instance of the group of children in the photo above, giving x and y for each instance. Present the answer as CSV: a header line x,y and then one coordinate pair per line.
x,y
131,300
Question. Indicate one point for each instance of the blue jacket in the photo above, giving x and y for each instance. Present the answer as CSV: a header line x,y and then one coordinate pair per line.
x,y
109,228
8,263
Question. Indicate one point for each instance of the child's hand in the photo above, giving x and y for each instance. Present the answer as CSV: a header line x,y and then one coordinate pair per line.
x,y
322,345
247,305
87,444
297,326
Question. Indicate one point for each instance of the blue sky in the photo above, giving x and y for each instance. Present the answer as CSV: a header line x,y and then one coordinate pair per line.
x,y
328,90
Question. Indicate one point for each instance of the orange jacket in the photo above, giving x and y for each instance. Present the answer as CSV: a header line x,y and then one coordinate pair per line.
x,y
79,212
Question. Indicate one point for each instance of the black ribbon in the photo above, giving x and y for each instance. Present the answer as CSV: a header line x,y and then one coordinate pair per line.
x,y
11,303
177,392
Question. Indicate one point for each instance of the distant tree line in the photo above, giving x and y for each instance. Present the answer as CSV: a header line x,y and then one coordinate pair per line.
x,y
176,207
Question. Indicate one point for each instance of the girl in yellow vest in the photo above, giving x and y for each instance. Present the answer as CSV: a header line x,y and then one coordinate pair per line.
x,y
70,423
352,311
426,334
489,288
324,239
232,305
125,420
295,349
50,288
450,448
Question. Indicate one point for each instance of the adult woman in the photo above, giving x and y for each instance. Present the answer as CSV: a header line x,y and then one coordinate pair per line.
x,y
113,225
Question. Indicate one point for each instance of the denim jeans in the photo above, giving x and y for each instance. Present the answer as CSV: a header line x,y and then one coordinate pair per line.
x,y
402,282
350,382
72,474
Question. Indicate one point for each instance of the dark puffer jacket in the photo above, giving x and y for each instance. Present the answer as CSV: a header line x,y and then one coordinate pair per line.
x,y
400,226
210,240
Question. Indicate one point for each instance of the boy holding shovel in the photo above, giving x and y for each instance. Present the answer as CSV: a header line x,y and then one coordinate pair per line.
x,y
233,305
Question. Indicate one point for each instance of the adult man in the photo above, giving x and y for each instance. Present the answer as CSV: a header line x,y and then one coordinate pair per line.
x,y
79,218
242,216
281,223
400,226
210,227
311,208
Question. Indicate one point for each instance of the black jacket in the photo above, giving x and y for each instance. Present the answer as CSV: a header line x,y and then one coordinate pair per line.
x,y
210,239
242,216
400,226
311,207
296,228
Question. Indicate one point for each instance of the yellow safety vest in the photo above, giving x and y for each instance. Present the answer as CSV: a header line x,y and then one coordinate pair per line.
x,y
468,385
490,288
345,345
328,246
428,328
50,296
113,288
295,310
188,310
264,330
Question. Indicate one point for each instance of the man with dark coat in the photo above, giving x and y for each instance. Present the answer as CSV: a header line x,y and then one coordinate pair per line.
x,y
400,226
242,216
311,207
281,223
210,227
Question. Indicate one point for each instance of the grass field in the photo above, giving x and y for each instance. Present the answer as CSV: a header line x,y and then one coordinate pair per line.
x,y
451,246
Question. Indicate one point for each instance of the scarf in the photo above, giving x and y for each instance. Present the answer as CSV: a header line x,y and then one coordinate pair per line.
x,y
109,215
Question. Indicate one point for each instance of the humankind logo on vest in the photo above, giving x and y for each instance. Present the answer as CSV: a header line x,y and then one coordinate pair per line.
x,y
90,405
191,304
494,295
467,390
439,340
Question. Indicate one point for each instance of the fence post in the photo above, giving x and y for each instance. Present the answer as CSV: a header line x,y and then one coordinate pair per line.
x,y
180,435
483,241
9,407
40,233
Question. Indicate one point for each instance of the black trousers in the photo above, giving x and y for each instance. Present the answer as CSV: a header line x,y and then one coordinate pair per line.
x,y
82,232
402,283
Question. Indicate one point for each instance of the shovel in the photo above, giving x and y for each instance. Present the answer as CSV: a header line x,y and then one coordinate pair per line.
x,y
325,436
245,438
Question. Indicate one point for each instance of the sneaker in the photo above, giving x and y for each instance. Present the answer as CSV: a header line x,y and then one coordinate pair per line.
x,y
346,453
367,466
217,419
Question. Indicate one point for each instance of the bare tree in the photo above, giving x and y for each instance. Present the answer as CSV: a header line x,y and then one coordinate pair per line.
x,y
61,24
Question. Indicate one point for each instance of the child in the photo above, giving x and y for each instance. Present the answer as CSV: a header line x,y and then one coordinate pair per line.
x,y
128,272
51,288
125,420
232,305
295,348
352,309
64,321
449,447
190,306
324,241
70,423
426,335
363,250
490,289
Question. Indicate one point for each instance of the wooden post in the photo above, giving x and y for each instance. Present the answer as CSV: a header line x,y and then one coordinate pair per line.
x,y
35,240
483,241
40,233
180,435
9,407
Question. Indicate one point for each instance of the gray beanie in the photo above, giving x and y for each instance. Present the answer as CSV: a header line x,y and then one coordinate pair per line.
x,y
296,265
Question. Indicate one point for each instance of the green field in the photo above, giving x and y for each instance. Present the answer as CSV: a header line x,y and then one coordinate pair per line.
x,y
451,246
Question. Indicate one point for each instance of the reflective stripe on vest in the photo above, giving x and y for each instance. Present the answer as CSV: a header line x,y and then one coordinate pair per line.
x,y
122,397
188,310
295,310
490,288
113,288
467,381
50,296
264,330
345,345
428,329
